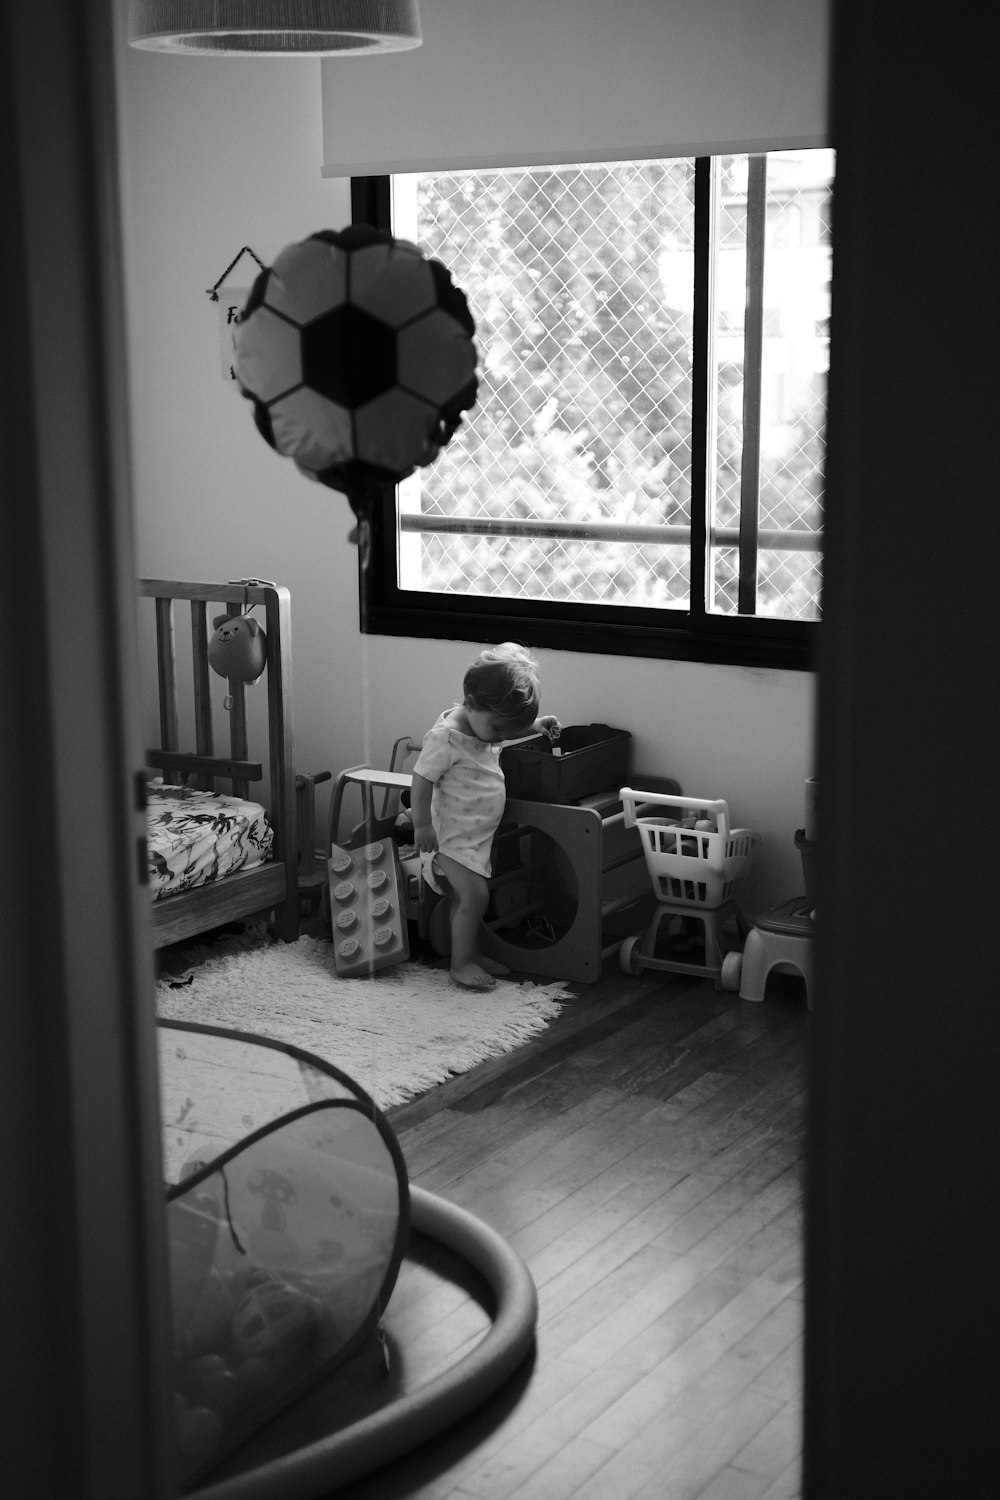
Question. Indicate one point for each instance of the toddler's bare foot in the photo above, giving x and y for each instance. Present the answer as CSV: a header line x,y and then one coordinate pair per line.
x,y
472,976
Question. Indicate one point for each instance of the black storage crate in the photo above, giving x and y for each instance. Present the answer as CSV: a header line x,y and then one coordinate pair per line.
x,y
586,758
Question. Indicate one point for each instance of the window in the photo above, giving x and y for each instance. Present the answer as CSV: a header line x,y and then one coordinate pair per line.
x,y
643,472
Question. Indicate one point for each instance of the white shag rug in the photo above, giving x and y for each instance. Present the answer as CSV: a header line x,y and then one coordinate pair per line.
x,y
396,1033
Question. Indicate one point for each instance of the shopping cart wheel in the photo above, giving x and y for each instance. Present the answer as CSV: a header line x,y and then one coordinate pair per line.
x,y
626,957
732,968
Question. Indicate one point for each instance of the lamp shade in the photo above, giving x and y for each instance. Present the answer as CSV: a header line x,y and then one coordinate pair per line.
x,y
274,28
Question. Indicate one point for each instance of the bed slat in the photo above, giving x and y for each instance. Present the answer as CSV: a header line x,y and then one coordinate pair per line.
x,y
237,716
204,736
281,742
166,673
207,767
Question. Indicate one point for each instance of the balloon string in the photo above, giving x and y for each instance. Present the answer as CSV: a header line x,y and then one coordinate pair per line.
x,y
364,575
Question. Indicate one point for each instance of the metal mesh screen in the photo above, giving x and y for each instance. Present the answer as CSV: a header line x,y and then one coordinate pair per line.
x,y
581,283
794,362
584,410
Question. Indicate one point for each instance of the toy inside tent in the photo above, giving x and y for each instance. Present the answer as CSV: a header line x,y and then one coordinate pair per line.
x,y
289,1214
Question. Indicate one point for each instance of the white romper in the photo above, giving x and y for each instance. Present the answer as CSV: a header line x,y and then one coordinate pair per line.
x,y
469,794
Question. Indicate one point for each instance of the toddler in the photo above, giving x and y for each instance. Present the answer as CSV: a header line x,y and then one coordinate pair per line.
x,y
457,797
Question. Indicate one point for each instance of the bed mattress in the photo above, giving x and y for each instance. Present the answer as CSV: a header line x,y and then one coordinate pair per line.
x,y
194,838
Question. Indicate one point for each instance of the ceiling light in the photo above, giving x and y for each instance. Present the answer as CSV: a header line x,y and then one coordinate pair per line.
x,y
274,28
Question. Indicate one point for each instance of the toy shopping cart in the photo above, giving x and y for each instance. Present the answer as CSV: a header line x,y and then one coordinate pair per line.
x,y
696,863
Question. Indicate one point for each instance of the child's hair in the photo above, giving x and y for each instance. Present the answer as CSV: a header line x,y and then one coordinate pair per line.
x,y
504,680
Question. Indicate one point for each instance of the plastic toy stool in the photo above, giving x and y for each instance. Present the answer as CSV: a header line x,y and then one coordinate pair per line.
x,y
781,940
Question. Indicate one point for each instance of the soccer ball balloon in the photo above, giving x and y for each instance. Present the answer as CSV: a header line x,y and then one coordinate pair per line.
x,y
357,352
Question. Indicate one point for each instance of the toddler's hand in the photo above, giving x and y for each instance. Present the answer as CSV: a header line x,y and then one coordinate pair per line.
x,y
425,838
550,726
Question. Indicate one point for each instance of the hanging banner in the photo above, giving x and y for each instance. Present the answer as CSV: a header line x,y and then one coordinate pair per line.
x,y
232,300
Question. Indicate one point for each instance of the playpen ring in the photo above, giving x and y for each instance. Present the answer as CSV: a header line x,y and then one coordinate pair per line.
x,y
321,1467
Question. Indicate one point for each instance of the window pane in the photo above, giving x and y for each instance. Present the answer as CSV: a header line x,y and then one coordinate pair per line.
x,y
785,489
580,280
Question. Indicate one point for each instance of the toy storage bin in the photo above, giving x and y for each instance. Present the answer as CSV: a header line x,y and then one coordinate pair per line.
x,y
287,1216
688,865
585,759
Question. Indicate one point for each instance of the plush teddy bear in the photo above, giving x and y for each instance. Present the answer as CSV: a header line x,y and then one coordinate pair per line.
x,y
238,649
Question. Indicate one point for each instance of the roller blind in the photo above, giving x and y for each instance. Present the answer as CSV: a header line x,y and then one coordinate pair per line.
x,y
524,82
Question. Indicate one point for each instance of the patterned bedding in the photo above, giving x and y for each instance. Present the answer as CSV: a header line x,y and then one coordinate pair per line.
x,y
194,838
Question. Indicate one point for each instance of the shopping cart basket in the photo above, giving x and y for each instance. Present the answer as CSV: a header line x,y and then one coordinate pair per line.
x,y
697,863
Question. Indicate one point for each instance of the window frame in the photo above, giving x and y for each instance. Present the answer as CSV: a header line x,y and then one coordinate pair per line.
x,y
694,634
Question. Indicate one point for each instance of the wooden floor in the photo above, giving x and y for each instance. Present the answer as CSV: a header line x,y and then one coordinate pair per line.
x,y
645,1158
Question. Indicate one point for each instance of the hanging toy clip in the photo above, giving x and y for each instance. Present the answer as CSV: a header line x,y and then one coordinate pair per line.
x,y
238,648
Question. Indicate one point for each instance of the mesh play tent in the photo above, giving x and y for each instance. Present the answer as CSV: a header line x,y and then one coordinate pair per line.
x,y
288,1215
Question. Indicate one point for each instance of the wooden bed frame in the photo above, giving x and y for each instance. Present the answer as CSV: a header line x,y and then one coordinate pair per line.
x,y
272,886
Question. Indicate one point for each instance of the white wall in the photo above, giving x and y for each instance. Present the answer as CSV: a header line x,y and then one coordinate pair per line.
x,y
219,153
